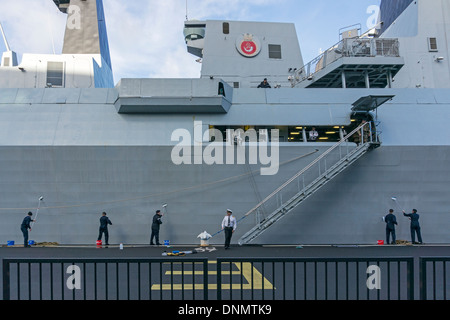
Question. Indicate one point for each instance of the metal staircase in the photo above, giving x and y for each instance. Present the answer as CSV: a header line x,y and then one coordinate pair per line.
x,y
341,155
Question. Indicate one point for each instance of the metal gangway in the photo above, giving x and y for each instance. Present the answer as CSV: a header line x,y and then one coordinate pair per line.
x,y
311,178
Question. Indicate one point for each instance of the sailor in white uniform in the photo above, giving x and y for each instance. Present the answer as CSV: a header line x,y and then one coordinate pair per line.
x,y
313,134
229,225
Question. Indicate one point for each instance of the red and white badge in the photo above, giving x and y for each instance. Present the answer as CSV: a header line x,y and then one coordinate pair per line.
x,y
248,45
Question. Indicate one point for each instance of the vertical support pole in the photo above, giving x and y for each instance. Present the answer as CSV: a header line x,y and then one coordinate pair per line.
x,y
410,276
205,280
389,79
423,279
219,279
344,82
7,280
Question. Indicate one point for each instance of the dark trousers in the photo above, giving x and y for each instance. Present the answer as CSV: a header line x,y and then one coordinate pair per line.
x,y
25,236
228,234
105,231
414,230
390,232
155,234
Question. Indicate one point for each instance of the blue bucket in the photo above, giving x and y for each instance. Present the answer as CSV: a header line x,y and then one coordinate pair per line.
x,y
10,243
31,242
166,242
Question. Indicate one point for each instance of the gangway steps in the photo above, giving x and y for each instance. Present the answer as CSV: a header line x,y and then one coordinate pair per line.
x,y
307,191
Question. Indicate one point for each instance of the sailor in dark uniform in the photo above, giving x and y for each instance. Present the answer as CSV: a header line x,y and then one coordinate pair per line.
x,y
24,227
391,221
156,222
104,221
264,84
415,226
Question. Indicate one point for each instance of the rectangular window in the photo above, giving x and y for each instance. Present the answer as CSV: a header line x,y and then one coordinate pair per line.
x,y
55,74
226,28
274,51
432,45
6,62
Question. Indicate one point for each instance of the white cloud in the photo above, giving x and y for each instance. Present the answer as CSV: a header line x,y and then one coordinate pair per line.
x,y
31,25
150,44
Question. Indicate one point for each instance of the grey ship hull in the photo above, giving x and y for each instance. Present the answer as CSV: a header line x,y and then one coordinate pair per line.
x,y
131,182
84,157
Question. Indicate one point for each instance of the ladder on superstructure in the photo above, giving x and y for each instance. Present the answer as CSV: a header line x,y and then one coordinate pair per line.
x,y
369,142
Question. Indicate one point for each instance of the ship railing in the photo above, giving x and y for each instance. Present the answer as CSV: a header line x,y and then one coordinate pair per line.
x,y
354,47
279,199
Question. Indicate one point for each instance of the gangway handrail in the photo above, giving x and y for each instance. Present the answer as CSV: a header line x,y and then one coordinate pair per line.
x,y
360,127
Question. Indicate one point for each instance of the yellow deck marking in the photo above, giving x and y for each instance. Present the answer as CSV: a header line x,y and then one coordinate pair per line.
x,y
252,276
200,273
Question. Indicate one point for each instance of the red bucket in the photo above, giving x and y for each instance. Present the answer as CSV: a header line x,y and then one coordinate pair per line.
x,y
99,242
380,242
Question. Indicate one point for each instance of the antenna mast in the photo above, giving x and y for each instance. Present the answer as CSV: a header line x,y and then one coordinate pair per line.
x,y
187,10
4,38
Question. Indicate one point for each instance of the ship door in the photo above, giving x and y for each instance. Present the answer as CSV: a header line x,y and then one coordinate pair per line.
x,y
221,89
363,108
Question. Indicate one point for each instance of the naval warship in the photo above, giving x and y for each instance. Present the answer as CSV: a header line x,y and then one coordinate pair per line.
x,y
319,157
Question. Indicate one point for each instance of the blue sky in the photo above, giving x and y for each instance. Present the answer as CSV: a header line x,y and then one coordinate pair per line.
x,y
146,36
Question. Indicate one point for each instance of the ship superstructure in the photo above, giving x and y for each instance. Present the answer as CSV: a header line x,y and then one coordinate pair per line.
x,y
85,61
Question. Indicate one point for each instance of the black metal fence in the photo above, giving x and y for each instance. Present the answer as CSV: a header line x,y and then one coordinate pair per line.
x,y
317,279
104,279
182,278
434,278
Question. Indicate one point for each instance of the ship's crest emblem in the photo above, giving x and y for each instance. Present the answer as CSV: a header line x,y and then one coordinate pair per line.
x,y
248,45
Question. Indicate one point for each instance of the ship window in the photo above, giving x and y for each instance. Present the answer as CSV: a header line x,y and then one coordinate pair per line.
x,y
226,28
55,74
432,44
221,89
6,62
274,51
236,85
